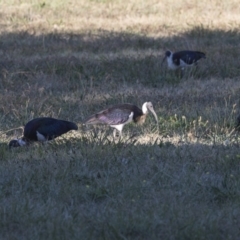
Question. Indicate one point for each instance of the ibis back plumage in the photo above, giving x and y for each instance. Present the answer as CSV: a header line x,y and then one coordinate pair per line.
x,y
43,129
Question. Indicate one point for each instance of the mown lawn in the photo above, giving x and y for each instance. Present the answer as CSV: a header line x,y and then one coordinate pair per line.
x,y
70,59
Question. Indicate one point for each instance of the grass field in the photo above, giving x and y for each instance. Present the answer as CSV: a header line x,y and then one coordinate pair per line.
x,y
70,59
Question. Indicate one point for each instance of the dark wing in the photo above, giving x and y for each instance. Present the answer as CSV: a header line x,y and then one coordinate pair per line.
x,y
114,115
110,117
56,128
49,127
31,128
190,57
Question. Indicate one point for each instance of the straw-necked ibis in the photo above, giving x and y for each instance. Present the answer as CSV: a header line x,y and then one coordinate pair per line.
x,y
182,59
118,115
43,129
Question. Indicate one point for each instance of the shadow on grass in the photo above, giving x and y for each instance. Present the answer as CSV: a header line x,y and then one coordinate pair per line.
x,y
130,190
120,56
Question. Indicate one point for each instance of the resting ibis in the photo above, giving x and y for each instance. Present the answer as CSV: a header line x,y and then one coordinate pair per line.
x,y
118,115
182,59
43,129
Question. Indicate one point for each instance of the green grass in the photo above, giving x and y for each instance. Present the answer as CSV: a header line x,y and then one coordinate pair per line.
x,y
71,59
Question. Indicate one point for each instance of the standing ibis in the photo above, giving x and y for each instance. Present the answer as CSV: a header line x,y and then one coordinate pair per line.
x,y
43,129
182,59
118,115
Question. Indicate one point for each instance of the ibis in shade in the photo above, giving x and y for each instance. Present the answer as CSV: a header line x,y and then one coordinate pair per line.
x,y
118,115
182,59
43,129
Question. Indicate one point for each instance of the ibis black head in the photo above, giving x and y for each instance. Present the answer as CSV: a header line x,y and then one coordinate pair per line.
x,y
13,143
17,142
167,54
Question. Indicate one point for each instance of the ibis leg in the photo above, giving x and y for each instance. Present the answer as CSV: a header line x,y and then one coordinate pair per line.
x,y
116,133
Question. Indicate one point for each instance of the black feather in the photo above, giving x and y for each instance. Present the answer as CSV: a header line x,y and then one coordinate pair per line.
x,y
189,57
50,128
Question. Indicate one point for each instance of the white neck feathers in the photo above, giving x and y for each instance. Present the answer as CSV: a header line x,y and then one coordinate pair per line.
x,y
21,142
144,108
170,62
